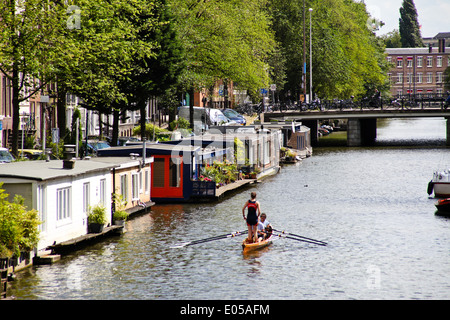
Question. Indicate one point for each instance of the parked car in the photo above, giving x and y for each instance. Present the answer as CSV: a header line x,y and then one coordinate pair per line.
x,y
93,146
31,154
204,117
234,116
5,156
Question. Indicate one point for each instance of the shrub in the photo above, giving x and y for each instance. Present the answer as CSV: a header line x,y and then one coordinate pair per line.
x,y
19,230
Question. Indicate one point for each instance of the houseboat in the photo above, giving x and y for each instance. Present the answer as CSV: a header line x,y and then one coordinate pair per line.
x,y
61,193
440,184
257,150
175,169
131,179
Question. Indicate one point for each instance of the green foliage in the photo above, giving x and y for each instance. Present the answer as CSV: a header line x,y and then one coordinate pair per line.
x,y
181,123
18,226
392,39
120,215
409,26
219,172
152,132
347,58
97,214
224,40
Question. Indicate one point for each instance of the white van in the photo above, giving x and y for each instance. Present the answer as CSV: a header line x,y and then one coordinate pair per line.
x,y
205,117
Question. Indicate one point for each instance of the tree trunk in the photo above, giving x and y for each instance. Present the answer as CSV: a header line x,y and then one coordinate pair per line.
x,y
16,111
115,131
143,119
61,111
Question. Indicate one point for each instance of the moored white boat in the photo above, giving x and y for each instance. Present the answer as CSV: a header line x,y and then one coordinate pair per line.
x,y
440,184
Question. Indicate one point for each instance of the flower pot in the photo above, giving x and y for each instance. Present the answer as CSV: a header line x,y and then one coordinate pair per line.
x,y
119,222
95,227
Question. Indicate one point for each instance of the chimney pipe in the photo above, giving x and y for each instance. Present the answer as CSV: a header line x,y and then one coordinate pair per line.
x,y
441,45
69,153
430,48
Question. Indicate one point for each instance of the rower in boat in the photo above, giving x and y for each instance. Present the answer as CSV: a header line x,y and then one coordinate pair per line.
x,y
264,227
253,212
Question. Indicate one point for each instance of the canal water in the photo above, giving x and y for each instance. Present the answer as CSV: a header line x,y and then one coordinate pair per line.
x,y
385,240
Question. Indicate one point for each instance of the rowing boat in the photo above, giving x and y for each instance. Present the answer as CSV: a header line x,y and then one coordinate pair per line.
x,y
246,246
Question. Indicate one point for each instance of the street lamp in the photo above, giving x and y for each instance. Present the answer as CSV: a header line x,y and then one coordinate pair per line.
x,y
310,57
304,55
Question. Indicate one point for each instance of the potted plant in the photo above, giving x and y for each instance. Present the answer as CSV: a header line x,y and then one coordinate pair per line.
x,y
119,217
96,219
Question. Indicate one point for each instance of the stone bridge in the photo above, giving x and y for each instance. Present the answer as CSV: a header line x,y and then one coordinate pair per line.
x,y
362,124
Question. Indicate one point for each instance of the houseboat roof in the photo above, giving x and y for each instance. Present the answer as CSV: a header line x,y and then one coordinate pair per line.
x,y
42,170
123,162
170,148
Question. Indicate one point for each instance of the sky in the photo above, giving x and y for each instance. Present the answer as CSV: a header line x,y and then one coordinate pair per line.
x,y
433,15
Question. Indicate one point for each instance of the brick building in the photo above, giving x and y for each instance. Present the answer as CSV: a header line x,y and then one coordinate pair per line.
x,y
418,70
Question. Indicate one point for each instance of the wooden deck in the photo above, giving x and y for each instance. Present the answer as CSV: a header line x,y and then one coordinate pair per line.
x,y
233,186
84,239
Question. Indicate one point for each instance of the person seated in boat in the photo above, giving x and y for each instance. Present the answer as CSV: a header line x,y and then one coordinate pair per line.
x,y
253,212
264,227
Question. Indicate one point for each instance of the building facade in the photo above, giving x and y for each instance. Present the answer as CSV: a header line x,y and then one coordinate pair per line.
x,y
418,71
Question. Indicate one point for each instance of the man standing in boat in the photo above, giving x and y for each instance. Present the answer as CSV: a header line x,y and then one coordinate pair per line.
x,y
254,210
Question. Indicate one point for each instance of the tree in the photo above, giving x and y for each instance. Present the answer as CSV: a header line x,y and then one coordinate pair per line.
x,y
29,31
409,26
347,57
224,40
392,39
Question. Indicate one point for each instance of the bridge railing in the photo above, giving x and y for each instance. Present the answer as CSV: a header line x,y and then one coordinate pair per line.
x,y
403,102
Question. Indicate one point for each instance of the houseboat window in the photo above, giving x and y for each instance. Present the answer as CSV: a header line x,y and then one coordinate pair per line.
x,y
86,198
103,191
134,186
42,207
158,173
63,203
147,181
124,187
141,182
174,172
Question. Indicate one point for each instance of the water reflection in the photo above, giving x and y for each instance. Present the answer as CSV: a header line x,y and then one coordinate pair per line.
x,y
369,204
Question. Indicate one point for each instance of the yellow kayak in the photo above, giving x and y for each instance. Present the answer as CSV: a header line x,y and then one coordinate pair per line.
x,y
256,245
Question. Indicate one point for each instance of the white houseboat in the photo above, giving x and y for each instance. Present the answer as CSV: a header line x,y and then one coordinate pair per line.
x,y
60,194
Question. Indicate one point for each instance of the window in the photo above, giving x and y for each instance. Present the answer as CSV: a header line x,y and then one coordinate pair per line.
x,y
134,186
399,77
141,182
409,79
429,62
86,197
419,62
409,63
103,191
419,77
399,62
174,172
63,204
42,208
439,77
430,77
158,173
439,62
124,187
147,181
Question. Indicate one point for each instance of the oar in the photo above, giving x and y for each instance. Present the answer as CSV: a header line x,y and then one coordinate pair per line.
x,y
300,238
223,236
